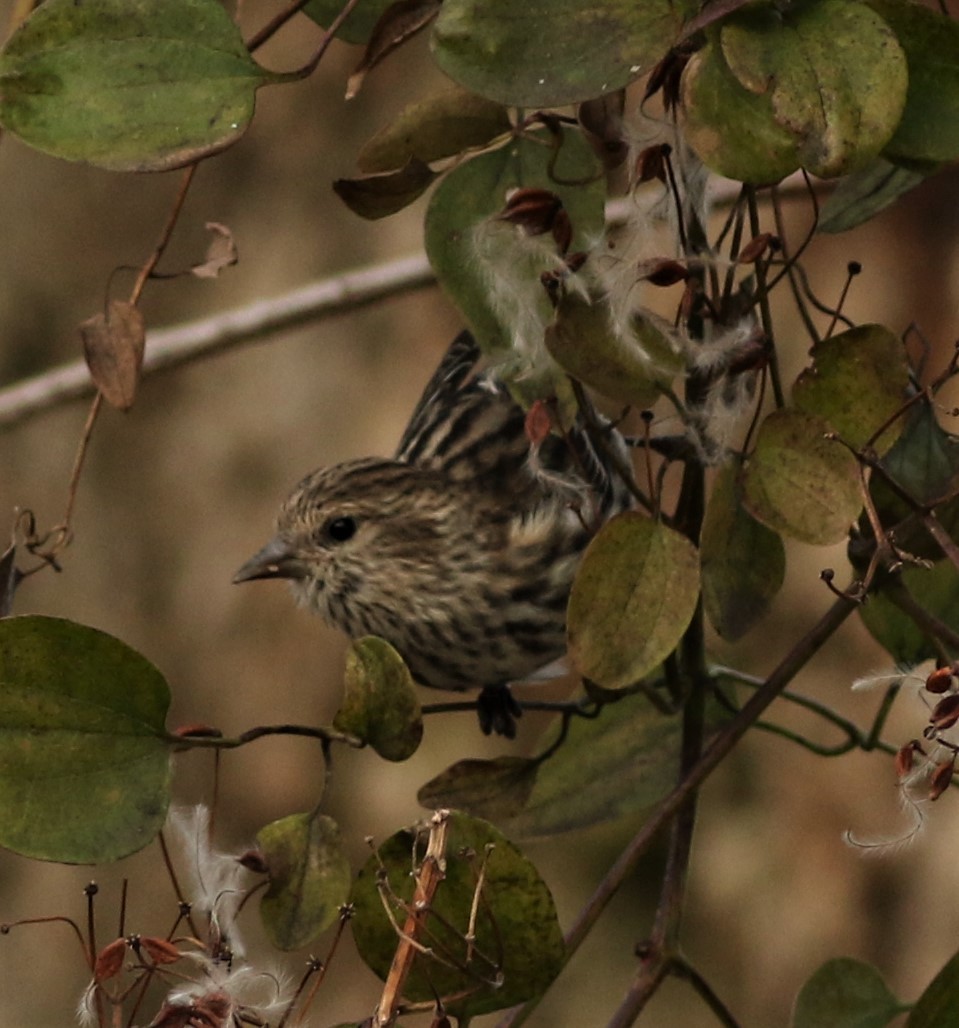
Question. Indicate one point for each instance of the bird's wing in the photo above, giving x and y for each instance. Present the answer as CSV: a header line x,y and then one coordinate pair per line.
x,y
437,397
472,430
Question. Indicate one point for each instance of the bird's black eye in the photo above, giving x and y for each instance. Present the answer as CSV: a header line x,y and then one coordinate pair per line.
x,y
341,529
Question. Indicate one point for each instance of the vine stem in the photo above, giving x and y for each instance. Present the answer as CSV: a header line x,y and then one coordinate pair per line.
x,y
712,755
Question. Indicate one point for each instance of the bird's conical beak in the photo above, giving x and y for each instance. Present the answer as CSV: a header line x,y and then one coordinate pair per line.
x,y
276,560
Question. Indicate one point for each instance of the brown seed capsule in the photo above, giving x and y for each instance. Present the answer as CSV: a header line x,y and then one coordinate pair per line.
x,y
253,860
160,951
109,960
940,680
651,164
941,778
756,247
534,210
906,757
945,713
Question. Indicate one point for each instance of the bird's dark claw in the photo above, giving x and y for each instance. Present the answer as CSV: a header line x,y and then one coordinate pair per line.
x,y
498,711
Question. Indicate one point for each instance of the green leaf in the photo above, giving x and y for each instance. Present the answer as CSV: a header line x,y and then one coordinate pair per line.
x,y
84,756
845,993
924,462
733,130
582,339
858,380
440,126
622,762
799,482
491,789
743,563
482,264
360,22
633,597
866,192
128,85
929,126
936,589
546,53
516,924
925,459
380,704
938,1006
309,878
834,73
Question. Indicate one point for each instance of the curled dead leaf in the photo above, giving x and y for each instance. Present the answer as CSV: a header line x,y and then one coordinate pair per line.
x,y
221,253
395,26
113,348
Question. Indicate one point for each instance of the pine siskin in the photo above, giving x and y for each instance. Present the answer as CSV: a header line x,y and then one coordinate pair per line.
x,y
461,550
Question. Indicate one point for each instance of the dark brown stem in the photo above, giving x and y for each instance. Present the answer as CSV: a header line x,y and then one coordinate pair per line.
x,y
897,592
311,65
712,756
175,882
154,259
765,314
274,25
251,735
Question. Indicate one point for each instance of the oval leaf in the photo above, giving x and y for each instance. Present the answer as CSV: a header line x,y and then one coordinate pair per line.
x,y
799,482
834,73
128,85
845,993
359,24
495,283
440,126
113,349
866,192
582,340
84,757
518,948
939,1004
622,762
633,597
380,704
937,589
733,130
309,878
484,788
546,53
857,381
929,126
743,562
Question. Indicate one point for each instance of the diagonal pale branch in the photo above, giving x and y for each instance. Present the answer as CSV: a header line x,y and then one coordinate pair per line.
x,y
171,347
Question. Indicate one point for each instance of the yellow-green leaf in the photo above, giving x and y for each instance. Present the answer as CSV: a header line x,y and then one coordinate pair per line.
x,y
743,561
633,597
857,381
309,878
799,482
380,704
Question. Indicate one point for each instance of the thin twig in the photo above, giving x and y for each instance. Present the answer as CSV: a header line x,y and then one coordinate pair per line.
x,y
431,874
173,347
715,752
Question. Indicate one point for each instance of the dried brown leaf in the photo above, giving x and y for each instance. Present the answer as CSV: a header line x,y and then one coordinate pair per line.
x,y
396,25
113,348
109,962
377,196
221,253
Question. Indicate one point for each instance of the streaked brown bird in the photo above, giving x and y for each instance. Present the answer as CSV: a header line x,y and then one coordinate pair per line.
x,y
461,550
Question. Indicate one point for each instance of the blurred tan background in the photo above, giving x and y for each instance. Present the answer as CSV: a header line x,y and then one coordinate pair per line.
x,y
182,489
